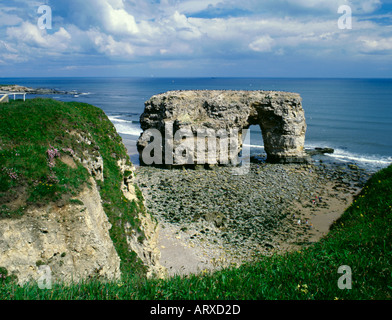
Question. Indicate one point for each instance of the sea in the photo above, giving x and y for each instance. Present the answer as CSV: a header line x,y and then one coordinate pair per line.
x,y
352,116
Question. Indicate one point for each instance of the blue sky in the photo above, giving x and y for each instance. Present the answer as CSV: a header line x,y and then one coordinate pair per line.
x,y
196,38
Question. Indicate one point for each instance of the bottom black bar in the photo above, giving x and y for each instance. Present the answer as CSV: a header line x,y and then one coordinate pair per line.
x,y
194,309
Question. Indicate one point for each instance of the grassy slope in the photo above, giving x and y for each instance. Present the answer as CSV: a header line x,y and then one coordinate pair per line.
x,y
28,130
361,239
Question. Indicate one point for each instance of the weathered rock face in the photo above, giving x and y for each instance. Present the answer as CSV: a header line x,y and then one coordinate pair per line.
x,y
72,240
187,119
147,250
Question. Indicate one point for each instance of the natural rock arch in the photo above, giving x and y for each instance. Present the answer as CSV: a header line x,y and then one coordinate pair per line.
x,y
193,113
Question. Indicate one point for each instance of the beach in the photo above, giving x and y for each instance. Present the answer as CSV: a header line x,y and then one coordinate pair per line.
x,y
210,219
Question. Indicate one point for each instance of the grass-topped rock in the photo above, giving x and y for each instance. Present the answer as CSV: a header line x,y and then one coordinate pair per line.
x,y
67,196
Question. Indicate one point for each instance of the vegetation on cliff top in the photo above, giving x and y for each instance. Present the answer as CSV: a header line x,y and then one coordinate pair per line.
x,y
36,139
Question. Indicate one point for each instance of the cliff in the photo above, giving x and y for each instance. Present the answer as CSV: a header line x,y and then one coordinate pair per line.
x,y
68,198
178,126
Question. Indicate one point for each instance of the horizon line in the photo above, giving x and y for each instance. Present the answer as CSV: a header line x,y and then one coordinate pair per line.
x,y
199,77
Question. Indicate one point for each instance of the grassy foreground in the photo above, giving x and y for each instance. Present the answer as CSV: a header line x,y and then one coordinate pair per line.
x,y
360,239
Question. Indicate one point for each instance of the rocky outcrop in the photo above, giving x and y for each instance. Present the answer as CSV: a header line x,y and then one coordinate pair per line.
x,y
73,240
23,89
186,120
147,248
71,236
144,244
90,159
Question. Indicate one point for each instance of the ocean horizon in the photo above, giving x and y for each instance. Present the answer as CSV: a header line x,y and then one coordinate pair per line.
x,y
352,116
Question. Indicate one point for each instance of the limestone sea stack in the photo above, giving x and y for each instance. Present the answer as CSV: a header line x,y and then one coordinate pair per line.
x,y
177,126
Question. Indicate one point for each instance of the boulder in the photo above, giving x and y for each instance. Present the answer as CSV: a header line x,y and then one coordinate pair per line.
x,y
319,151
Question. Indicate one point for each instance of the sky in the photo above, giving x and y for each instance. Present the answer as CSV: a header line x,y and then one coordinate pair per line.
x,y
196,38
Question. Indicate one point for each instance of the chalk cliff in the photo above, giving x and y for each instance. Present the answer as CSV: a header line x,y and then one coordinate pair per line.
x,y
73,240
99,229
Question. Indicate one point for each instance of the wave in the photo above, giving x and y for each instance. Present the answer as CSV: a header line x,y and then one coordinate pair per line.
x,y
253,146
117,119
372,160
126,126
124,129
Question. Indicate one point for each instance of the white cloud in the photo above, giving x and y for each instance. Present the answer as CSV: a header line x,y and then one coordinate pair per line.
x,y
30,34
118,20
110,47
183,27
262,44
372,45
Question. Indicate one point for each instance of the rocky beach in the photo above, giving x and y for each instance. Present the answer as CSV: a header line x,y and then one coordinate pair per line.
x,y
211,215
213,218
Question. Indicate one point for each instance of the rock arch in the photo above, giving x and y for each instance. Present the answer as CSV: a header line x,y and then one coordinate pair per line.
x,y
205,112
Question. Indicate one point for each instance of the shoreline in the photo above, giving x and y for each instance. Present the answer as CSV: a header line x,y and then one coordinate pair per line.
x,y
211,219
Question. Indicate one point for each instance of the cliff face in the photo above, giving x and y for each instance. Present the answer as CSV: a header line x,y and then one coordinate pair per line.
x,y
73,240
68,200
144,242
189,115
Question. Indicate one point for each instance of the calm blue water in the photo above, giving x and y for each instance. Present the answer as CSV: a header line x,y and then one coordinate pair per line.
x,y
353,116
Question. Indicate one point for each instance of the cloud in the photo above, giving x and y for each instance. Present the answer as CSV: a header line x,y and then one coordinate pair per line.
x,y
182,27
9,19
366,6
192,30
116,20
371,45
29,34
110,47
193,6
262,44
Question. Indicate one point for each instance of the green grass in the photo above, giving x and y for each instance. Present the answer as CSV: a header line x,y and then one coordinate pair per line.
x,y
27,132
28,175
360,239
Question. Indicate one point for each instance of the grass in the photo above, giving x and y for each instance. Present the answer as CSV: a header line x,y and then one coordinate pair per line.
x,y
35,135
360,239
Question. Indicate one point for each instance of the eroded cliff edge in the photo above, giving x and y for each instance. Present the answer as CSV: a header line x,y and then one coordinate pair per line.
x,y
68,198
189,115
